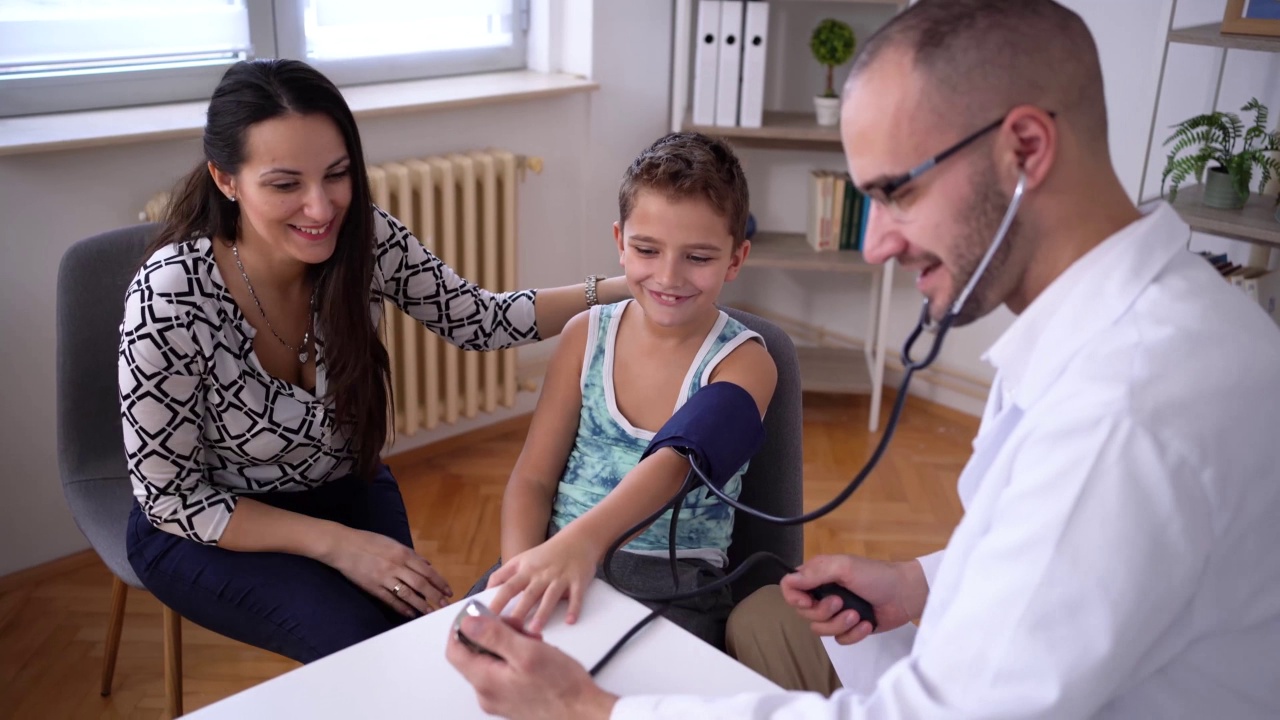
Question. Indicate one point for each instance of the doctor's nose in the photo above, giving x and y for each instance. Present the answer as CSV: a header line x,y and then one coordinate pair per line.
x,y
883,242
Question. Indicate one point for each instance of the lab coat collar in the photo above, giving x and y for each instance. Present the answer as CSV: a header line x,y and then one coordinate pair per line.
x,y
1084,300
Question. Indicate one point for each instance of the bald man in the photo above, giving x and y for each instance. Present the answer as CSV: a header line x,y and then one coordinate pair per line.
x,y
1119,556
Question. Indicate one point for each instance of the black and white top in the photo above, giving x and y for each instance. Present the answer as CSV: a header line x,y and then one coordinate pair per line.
x,y
204,423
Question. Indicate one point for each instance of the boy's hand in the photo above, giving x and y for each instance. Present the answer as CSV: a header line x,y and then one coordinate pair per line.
x,y
561,565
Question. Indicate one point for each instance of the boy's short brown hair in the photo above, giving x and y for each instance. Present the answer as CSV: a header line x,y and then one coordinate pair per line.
x,y
690,165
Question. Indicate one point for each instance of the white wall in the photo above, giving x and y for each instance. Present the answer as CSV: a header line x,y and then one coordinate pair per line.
x,y
1130,36
631,59
49,200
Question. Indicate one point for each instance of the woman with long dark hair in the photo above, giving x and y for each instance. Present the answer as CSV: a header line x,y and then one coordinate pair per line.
x,y
255,389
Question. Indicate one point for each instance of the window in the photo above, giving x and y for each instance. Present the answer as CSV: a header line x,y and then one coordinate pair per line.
x,y
361,41
59,55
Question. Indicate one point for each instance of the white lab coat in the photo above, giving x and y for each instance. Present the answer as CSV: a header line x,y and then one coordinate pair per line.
x,y
1119,556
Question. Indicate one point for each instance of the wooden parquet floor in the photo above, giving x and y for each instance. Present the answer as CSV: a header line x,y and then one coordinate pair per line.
x,y
53,619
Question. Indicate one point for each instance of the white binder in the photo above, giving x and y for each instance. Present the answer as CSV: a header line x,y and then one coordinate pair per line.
x,y
706,62
755,43
727,85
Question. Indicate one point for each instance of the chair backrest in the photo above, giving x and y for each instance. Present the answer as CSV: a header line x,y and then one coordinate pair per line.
x,y
773,482
92,280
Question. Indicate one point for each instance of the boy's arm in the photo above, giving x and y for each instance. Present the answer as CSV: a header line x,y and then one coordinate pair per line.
x,y
526,503
656,478
565,563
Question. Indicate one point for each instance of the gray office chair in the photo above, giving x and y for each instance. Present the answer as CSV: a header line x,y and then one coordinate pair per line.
x,y
773,482
92,280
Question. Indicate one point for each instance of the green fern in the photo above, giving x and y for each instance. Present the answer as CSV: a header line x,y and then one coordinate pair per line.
x,y
1213,138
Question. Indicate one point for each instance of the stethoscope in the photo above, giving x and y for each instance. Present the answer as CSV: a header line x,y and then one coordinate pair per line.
x,y
911,365
940,328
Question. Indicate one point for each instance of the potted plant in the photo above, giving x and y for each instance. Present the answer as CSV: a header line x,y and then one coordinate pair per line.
x,y
832,44
1221,138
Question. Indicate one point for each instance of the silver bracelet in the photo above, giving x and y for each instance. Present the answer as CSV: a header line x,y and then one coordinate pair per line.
x,y
592,298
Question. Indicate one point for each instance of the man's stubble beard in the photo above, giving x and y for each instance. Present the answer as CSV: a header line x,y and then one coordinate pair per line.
x,y
979,224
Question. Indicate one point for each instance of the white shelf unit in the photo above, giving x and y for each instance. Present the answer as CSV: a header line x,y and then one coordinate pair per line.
x,y
822,369
1255,222
835,369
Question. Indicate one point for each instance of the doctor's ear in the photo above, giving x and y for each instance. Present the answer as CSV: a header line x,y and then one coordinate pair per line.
x,y
1030,146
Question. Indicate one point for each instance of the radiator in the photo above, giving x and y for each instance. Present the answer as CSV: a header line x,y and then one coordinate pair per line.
x,y
462,207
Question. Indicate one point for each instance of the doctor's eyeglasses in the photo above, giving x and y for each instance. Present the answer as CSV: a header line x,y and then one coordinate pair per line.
x,y
885,192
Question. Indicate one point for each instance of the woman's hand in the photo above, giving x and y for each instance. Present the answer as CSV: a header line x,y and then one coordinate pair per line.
x,y
562,565
380,566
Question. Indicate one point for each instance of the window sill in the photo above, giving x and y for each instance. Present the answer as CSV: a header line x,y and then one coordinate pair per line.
x,y
67,131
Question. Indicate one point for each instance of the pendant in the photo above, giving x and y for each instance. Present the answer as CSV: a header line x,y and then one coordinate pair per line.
x,y
302,357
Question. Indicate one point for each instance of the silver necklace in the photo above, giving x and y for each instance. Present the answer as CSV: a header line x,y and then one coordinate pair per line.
x,y
300,350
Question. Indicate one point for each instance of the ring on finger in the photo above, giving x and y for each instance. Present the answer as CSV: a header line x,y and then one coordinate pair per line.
x,y
396,590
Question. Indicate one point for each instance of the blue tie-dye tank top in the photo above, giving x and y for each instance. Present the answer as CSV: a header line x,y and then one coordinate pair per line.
x,y
607,446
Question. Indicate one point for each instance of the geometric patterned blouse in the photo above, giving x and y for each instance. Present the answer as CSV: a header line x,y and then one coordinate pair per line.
x,y
204,423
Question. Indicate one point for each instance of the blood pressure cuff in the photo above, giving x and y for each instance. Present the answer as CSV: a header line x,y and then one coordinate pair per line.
x,y
719,428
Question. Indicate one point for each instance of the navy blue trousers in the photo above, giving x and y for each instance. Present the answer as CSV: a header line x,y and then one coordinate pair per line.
x,y
288,604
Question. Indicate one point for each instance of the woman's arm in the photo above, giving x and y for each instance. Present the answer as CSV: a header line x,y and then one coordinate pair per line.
x,y
556,305
161,377
374,562
464,313
526,504
161,374
161,371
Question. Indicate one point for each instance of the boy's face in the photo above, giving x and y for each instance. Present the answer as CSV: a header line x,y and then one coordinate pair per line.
x,y
677,255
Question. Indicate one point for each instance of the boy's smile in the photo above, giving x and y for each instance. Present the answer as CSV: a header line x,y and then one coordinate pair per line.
x,y
677,254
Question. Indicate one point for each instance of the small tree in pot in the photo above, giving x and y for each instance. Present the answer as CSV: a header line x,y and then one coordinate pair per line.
x,y
832,44
1214,137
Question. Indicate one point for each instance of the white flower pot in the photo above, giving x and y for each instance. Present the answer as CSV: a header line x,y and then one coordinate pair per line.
x,y
827,110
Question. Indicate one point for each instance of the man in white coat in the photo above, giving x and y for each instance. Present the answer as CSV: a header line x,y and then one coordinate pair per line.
x,y
1119,556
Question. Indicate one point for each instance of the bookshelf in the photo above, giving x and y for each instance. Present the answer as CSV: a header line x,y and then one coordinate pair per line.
x,y
823,367
1211,35
1256,222
834,370
781,130
827,369
790,251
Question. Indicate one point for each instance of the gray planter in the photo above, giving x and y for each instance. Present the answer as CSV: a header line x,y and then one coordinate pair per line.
x,y
1218,192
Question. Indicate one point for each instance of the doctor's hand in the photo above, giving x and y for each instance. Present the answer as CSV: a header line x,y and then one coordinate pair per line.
x,y
896,591
563,565
533,681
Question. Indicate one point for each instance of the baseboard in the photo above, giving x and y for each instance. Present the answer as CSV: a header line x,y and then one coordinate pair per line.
x,y
37,573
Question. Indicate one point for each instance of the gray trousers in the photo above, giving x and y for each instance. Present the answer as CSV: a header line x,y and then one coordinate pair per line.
x,y
704,616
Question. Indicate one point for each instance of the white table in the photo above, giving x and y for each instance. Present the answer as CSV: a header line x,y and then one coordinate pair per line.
x,y
403,673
